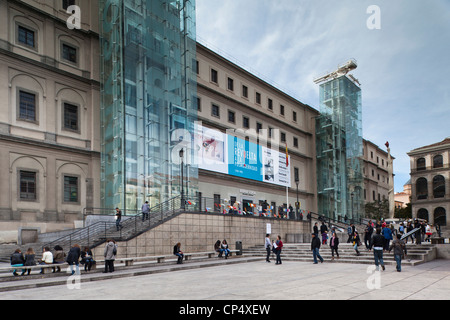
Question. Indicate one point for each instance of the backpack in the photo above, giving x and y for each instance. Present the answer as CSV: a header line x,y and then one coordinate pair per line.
x,y
115,250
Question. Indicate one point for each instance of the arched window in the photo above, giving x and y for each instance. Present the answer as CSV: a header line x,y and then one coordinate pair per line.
x,y
422,188
439,187
422,214
440,216
421,164
438,161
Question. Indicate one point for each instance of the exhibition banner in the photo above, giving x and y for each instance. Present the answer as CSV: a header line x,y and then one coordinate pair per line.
x,y
220,152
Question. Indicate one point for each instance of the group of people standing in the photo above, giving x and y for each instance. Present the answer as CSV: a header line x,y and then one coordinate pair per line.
x,y
379,242
275,247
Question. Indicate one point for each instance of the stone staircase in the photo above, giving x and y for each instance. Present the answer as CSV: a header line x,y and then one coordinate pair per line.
x,y
6,250
417,254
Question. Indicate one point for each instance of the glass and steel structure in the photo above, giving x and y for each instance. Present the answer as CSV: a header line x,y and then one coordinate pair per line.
x,y
339,147
148,104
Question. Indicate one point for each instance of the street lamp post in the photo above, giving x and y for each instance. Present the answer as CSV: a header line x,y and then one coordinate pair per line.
x,y
297,203
181,154
352,206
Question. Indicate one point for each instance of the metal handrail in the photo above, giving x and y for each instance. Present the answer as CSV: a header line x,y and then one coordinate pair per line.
x,y
97,233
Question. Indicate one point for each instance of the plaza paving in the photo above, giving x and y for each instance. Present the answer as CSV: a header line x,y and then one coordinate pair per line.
x,y
262,281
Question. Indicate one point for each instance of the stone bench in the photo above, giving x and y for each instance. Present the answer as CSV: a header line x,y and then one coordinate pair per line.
x,y
127,261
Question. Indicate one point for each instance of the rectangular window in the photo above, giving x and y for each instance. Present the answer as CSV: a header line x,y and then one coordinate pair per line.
x,y
296,175
245,122
295,142
26,36
230,84
245,91
70,117
199,104
67,3
281,110
27,106
270,104
70,189
195,66
294,116
27,185
69,53
258,98
217,202
283,137
231,116
215,111
214,77
258,127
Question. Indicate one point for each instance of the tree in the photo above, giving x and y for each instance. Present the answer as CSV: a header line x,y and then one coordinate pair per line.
x,y
403,213
377,209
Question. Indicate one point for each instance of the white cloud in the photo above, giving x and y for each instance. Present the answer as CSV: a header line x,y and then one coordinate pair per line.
x,y
403,67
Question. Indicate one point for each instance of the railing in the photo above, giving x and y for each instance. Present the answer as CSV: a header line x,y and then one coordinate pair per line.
x,y
134,224
98,232
88,236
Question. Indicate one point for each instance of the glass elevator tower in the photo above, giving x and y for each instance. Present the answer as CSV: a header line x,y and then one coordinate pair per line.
x,y
148,104
339,147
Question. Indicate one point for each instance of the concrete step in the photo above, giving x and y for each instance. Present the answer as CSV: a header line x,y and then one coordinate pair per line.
x,y
302,252
11,283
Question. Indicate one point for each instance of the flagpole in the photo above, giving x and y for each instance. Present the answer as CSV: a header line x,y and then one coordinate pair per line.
x,y
287,186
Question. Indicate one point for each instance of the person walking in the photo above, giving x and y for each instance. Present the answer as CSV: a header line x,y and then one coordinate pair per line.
x,y
387,233
377,244
428,232
268,247
418,234
110,253
316,229
350,232
177,251
278,246
356,241
73,258
315,247
368,231
334,244
145,211
409,227
399,247
324,232
118,219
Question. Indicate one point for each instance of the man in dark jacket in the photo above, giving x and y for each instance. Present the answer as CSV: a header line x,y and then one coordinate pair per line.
x,y
399,247
377,244
315,246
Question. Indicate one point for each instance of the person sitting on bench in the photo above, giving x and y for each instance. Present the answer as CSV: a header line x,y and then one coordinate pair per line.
x,y
177,251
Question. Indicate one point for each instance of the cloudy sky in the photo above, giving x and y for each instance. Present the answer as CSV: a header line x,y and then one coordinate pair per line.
x,y
404,67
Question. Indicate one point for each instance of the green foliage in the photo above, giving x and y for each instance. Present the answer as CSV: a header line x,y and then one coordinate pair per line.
x,y
403,213
377,209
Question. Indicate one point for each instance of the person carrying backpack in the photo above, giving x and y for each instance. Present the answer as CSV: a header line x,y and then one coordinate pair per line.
x,y
399,247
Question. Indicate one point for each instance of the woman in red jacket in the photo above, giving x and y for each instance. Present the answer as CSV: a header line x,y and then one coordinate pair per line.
x,y
279,245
